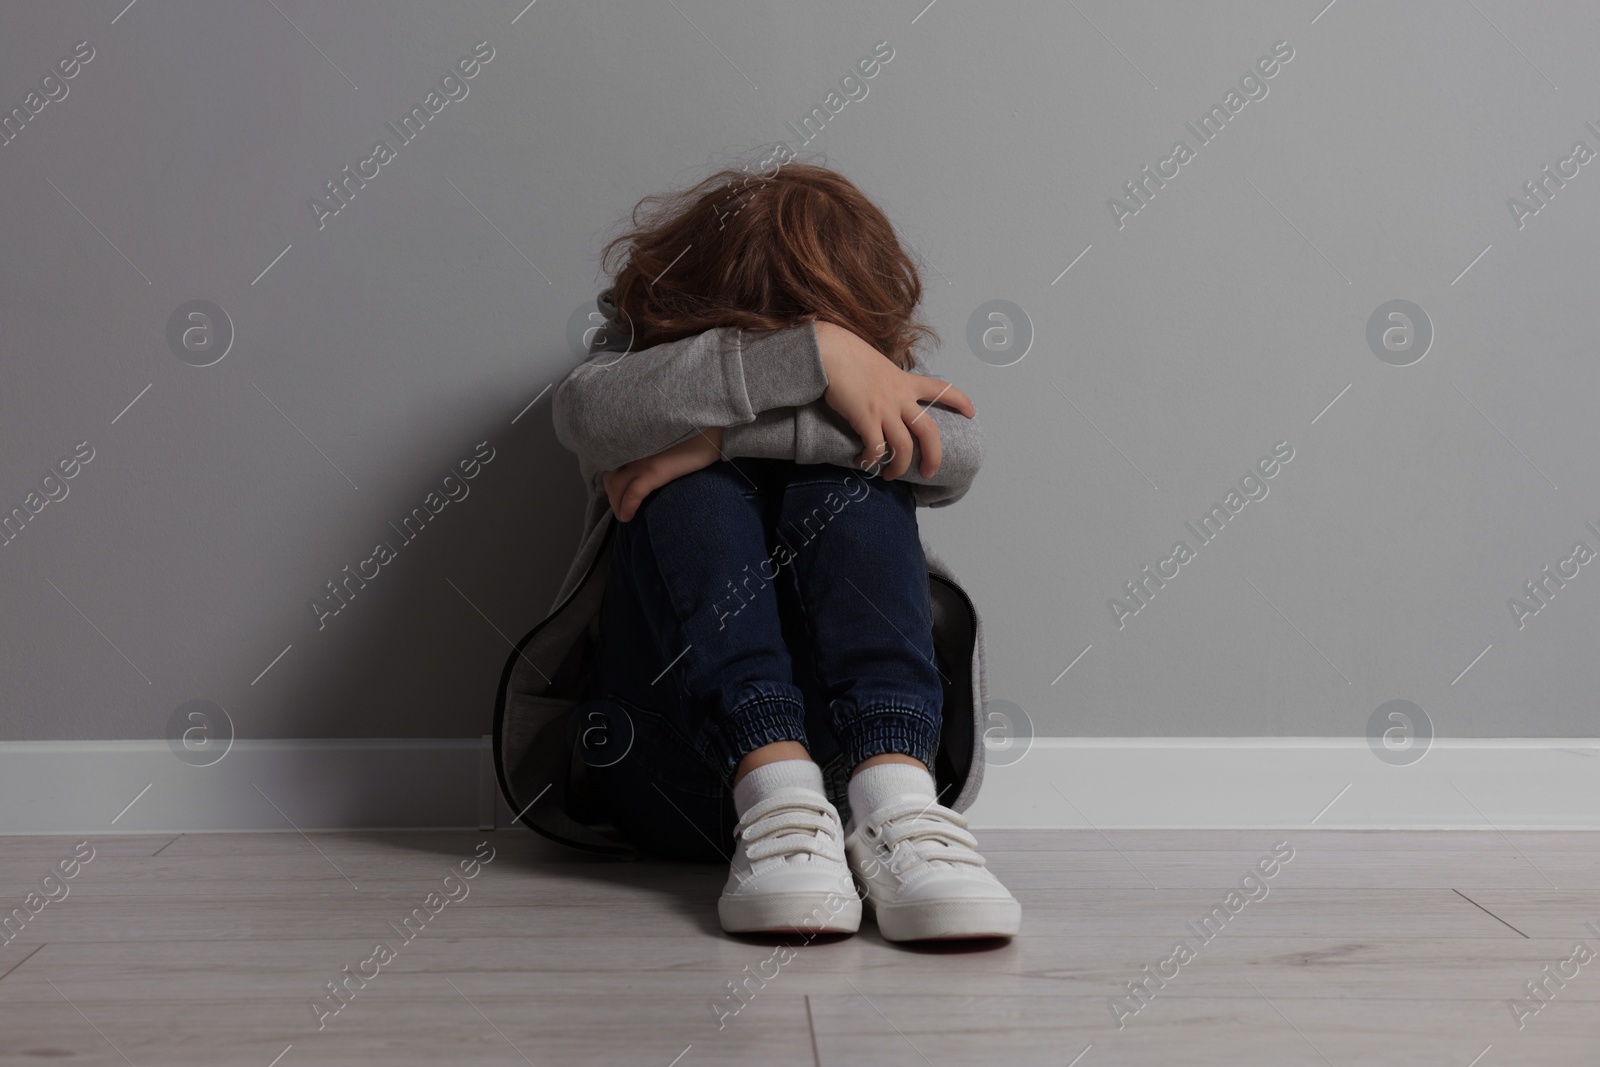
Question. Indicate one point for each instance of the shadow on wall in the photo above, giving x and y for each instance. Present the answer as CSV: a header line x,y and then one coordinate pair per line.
x,y
417,650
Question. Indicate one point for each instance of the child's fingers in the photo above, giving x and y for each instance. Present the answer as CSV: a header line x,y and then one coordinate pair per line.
x,y
872,445
927,432
871,458
641,486
932,389
622,489
899,439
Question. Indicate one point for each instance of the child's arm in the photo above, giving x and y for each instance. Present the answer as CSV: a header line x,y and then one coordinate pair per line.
x,y
808,394
816,433
616,407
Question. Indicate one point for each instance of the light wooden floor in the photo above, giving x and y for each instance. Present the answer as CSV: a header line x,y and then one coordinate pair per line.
x,y
1370,948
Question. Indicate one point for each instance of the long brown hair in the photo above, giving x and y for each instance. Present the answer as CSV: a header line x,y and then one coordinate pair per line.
x,y
762,252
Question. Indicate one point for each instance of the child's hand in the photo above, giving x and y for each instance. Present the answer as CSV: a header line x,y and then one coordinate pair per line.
x,y
880,401
629,484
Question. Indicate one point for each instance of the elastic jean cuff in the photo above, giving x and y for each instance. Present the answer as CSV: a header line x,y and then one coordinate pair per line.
x,y
891,728
761,719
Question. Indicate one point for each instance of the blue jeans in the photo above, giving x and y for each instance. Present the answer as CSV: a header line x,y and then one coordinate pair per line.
x,y
750,602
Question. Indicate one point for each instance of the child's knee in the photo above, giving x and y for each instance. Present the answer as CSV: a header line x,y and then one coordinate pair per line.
x,y
692,494
851,504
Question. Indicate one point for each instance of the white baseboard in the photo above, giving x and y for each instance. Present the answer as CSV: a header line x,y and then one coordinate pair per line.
x,y
1284,782
80,787
86,787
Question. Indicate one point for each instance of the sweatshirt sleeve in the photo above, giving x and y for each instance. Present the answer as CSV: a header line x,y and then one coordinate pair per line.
x,y
616,407
815,433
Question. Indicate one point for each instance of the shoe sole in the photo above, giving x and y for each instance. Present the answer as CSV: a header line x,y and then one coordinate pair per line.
x,y
784,913
948,920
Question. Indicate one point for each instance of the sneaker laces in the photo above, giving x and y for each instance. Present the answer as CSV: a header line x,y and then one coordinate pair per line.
x,y
789,823
932,832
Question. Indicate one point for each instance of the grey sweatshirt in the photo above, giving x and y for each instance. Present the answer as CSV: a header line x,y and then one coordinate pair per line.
x,y
764,389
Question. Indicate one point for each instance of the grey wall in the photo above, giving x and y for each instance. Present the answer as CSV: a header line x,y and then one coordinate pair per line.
x,y
1219,320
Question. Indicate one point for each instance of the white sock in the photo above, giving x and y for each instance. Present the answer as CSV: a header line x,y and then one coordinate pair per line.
x,y
771,777
885,783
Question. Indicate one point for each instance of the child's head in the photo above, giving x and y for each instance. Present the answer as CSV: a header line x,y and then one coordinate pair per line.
x,y
764,251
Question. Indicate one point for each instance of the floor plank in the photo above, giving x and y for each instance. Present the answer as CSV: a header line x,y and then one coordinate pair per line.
x,y
1373,949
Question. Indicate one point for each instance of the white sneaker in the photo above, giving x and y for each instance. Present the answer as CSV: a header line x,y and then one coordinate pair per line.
x,y
925,880
789,873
